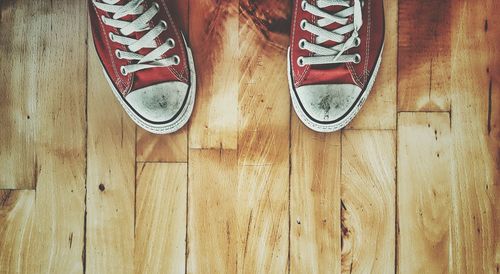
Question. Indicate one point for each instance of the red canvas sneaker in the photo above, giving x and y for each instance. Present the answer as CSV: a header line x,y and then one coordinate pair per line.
x,y
333,59
146,61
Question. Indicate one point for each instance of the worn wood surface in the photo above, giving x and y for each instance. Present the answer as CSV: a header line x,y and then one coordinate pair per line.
x,y
473,185
214,28
368,183
17,209
160,225
43,137
212,239
424,55
409,187
424,192
315,241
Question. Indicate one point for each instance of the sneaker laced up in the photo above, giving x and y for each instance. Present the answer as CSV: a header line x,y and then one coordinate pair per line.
x,y
336,54
141,24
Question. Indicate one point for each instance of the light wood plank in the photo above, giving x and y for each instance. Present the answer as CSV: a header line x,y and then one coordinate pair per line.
x,y
160,234
110,178
36,74
315,201
264,103
379,111
43,130
493,127
424,55
368,201
212,217
214,39
171,148
20,42
473,188
17,208
262,215
263,138
424,192
166,147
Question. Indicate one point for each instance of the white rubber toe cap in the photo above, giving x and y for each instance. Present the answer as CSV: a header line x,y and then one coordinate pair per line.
x,y
325,103
159,103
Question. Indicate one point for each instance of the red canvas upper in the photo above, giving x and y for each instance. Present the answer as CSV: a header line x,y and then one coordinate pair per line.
x,y
106,51
372,37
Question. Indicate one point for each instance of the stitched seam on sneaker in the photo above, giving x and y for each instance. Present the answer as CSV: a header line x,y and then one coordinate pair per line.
x,y
180,76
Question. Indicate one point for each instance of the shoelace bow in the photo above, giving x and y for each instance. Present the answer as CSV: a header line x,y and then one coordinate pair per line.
x,y
336,54
140,24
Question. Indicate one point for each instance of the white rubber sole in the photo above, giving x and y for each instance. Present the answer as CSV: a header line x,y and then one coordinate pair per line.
x,y
344,121
169,127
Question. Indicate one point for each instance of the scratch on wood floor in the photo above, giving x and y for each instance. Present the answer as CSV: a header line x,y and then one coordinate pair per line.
x,y
70,240
248,234
430,78
490,89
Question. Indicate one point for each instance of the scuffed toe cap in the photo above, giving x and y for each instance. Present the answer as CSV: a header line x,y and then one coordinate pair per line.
x,y
326,103
159,103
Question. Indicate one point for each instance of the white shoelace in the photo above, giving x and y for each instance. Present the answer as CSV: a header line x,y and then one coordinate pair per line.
x,y
141,23
335,54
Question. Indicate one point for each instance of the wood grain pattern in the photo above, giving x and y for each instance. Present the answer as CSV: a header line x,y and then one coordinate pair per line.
x,y
424,55
263,138
262,214
160,227
264,101
382,99
493,126
168,147
214,33
17,208
473,186
110,178
424,192
212,239
19,88
315,201
368,201
41,121
43,130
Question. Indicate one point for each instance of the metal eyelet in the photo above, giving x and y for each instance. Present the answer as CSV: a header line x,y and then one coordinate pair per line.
x,y
118,54
357,42
302,43
177,60
303,5
156,5
163,24
300,61
104,19
171,42
357,59
111,36
303,24
123,71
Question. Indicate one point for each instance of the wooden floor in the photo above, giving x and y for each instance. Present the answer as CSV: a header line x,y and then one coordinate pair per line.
x,y
409,187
